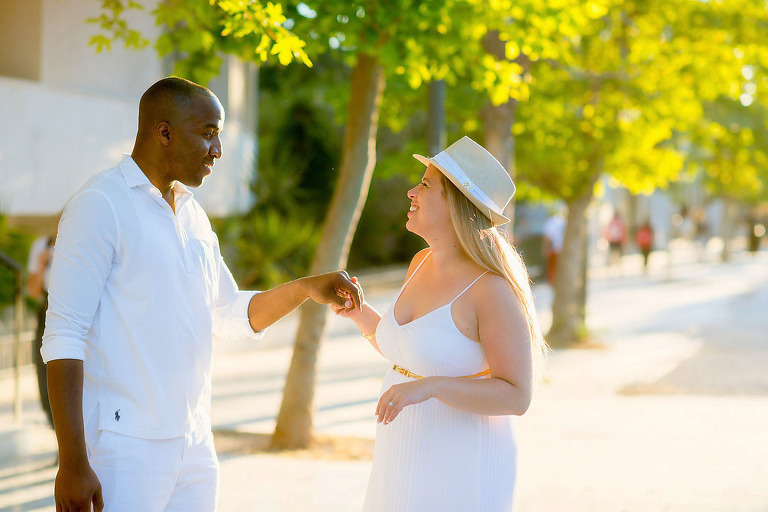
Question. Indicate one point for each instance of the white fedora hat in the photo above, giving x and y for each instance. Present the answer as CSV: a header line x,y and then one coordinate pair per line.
x,y
478,175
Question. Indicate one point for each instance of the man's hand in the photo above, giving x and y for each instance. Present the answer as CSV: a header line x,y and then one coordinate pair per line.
x,y
335,288
77,488
347,312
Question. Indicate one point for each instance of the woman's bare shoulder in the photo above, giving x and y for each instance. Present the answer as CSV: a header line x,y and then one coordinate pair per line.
x,y
500,313
493,293
416,261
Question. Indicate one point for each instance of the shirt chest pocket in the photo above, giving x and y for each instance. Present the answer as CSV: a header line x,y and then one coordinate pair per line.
x,y
201,264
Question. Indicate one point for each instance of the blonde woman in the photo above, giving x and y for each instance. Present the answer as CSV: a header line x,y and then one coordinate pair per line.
x,y
465,345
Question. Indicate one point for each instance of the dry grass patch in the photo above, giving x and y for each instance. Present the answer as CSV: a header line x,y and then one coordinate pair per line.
x,y
229,442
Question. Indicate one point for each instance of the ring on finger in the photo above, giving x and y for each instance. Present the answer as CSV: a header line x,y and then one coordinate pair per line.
x,y
392,404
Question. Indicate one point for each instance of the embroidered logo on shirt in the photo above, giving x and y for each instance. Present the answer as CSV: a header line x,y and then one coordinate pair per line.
x,y
117,415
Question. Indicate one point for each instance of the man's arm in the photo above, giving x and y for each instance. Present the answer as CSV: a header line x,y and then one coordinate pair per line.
x,y
243,314
85,250
268,307
38,259
76,484
35,285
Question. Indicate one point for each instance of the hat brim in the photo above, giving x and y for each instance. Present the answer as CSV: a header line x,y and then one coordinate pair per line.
x,y
496,218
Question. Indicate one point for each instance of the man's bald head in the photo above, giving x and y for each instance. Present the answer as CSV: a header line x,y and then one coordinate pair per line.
x,y
170,100
178,136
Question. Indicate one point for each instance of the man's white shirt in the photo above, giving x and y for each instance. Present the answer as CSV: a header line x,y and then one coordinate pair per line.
x,y
136,292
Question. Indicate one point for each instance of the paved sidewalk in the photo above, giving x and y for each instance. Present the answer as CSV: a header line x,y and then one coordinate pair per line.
x,y
652,423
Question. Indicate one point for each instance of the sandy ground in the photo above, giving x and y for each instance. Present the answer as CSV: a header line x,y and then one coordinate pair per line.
x,y
670,416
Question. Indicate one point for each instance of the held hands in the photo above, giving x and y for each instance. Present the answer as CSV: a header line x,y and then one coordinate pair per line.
x,y
76,489
336,289
399,396
343,310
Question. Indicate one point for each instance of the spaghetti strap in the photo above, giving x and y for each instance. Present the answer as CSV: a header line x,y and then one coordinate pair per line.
x,y
414,272
468,287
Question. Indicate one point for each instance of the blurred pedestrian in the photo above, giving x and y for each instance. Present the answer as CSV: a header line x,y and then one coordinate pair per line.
x,y
644,241
687,224
616,234
700,233
554,233
38,273
138,285
465,343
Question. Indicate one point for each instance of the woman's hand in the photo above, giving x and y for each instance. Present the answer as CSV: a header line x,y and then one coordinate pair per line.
x,y
347,312
399,396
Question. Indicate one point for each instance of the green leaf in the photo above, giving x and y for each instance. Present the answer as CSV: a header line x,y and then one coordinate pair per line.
x,y
101,42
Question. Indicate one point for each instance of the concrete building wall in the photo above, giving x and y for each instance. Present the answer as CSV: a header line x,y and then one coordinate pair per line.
x,y
69,63
79,115
21,20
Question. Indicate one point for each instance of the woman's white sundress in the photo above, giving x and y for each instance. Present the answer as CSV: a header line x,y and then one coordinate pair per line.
x,y
433,457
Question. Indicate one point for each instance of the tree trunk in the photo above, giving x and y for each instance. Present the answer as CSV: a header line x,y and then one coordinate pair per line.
x,y
632,220
436,130
582,291
498,121
500,142
567,323
725,254
294,421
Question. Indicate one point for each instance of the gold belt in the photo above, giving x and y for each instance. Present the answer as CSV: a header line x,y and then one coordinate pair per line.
x,y
407,373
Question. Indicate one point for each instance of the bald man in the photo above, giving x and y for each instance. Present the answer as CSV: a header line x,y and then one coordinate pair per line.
x,y
137,288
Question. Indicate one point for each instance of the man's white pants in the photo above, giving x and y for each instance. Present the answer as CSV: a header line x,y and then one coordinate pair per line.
x,y
154,475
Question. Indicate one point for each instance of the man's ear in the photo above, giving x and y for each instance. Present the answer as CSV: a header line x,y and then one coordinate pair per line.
x,y
164,133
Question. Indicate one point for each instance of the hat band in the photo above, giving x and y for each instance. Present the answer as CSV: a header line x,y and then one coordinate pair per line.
x,y
452,167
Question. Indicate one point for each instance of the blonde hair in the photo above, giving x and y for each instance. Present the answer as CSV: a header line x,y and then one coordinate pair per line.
x,y
492,250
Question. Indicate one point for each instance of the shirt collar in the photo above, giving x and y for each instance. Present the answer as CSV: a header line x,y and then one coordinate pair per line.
x,y
135,177
180,190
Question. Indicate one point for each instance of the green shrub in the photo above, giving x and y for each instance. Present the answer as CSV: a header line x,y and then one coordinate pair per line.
x,y
14,243
381,238
266,248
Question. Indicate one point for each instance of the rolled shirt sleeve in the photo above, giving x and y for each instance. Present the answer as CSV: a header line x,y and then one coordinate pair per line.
x,y
230,310
86,247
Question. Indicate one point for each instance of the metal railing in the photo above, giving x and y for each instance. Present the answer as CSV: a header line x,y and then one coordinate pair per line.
x,y
18,272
